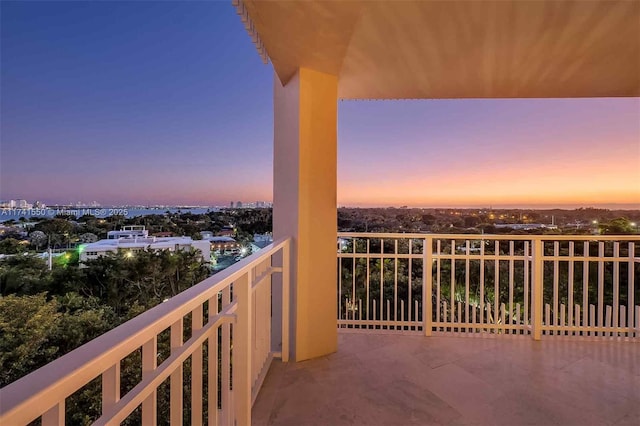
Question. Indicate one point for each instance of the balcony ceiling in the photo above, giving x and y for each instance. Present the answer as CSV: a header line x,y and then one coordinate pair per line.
x,y
456,49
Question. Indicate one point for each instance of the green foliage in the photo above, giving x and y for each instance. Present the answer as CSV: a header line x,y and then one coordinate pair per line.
x,y
23,275
35,330
45,314
146,277
617,226
25,334
81,319
38,239
11,246
88,237
55,226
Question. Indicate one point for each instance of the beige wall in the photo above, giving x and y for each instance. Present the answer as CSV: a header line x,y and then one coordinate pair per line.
x,y
305,177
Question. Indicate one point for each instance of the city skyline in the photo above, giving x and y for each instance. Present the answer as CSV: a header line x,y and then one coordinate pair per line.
x,y
268,204
139,111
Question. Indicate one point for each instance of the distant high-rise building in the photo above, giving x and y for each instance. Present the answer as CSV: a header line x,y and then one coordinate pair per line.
x,y
231,205
239,204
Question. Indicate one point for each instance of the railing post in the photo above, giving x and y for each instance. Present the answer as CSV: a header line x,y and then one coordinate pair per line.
x,y
280,302
55,415
176,381
110,387
149,364
631,289
427,288
213,368
536,288
242,350
196,370
276,303
225,363
286,321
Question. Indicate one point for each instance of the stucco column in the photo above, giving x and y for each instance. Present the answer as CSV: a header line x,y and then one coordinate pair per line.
x,y
304,205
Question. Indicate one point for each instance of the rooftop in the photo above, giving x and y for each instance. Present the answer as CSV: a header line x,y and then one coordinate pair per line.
x,y
152,242
223,239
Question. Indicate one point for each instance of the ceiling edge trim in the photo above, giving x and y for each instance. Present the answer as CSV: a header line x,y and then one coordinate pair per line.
x,y
241,10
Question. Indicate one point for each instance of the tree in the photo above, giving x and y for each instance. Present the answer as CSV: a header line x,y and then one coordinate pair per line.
x,y
23,275
428,219
146,277
38,239
34,331
471,221
617,226
55,226
25,326
68,278
57,230
81,320
88,237
11,246
14,233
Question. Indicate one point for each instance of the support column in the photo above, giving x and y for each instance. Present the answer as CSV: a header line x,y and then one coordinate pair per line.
x,y
304,205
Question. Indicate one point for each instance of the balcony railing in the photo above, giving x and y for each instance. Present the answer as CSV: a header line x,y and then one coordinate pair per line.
x,y
234,322
234,304
514,284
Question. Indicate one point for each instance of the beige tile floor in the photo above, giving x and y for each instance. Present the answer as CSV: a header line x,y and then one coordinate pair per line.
x,y
386,379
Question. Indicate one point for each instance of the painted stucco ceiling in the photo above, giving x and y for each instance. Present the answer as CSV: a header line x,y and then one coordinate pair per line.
x,y
455,49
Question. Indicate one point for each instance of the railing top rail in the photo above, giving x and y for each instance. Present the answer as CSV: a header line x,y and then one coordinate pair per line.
x,y
70,372
517,237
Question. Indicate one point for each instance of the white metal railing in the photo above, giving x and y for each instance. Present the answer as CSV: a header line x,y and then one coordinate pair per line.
x,y
578,285
231,325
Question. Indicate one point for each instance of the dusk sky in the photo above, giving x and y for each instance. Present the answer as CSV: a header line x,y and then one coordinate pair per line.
x,y
169,103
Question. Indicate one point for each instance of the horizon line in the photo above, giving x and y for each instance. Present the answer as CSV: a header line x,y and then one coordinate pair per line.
x,y
488,206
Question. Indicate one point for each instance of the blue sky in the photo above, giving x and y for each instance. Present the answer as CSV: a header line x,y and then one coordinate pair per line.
x,y
168,102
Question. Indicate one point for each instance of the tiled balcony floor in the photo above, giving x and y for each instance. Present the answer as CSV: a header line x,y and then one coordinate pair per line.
x,y
385,379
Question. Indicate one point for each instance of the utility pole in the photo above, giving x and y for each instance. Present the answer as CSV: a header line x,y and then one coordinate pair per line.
x,y
50,262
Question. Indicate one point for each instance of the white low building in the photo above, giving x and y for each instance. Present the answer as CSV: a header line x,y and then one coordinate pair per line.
x,y
526,226
131,245
260,241
131,231
224,244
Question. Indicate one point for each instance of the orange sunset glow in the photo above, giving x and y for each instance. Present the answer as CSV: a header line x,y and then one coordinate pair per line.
x,y
576,152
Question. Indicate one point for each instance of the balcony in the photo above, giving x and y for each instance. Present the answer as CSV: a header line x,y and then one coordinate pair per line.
x,y
504,346
495,341
433,328
183,349
392,379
